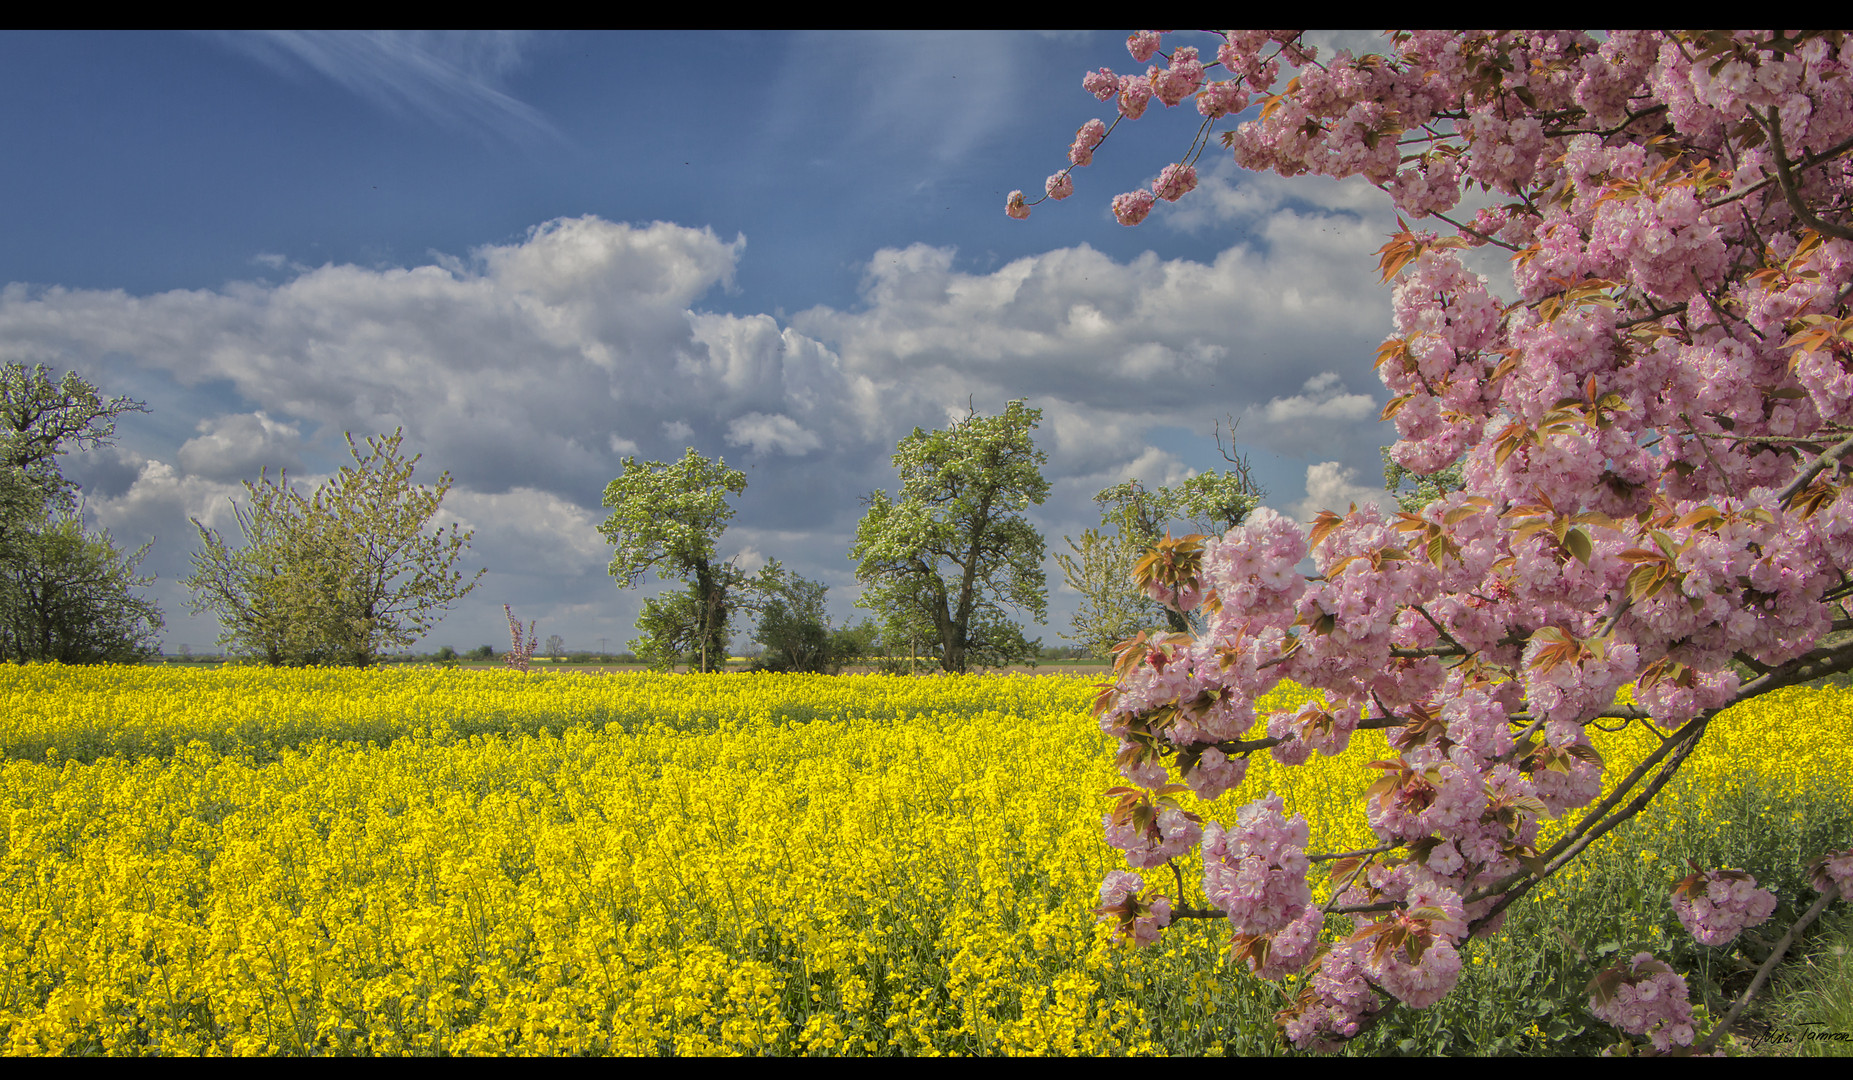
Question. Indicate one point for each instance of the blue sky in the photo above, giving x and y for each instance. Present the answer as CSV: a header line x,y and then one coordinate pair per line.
x,y
539,253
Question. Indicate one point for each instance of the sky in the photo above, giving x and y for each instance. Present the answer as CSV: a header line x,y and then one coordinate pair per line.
x,y
539,254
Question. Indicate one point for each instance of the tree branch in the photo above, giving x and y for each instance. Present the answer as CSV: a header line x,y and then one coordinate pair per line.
x,y
1772,126
1723,1026
1830,456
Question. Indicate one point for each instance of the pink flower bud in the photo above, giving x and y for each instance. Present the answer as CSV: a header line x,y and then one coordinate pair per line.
x,y
1059,186
1015,208
1142,44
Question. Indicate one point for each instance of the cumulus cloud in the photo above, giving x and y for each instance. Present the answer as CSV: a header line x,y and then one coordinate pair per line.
x,y
1322,398
529,369
765,434
1331,486
162,496
552,536
241,445
1183,338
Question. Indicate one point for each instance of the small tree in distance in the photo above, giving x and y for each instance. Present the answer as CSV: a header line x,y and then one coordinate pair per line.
x,y
519,654
1113,607
955,548
670,518
336,577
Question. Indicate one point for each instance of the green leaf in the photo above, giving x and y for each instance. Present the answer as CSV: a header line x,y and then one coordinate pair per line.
x,y
1576,542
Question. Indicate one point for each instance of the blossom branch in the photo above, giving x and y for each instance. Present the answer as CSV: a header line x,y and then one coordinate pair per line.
x,y
1772,126
1723,1026
1830,456
1672,752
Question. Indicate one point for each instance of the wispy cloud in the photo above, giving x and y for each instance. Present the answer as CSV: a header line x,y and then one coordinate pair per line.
x,y
452,78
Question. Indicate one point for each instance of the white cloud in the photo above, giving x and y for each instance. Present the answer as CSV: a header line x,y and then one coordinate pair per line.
x,y
535,531
1148,337
750,559
1323,399
676,430
163,496
764,434
241,445
1331,486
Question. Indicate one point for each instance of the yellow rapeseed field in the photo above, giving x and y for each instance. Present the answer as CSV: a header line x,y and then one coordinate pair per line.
x,y
248,861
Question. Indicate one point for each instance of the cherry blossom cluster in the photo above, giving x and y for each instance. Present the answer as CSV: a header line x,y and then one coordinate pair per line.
x,y
1715,906
1135,918
1255,872
1335,1002
1654,429
1834,871
1644,997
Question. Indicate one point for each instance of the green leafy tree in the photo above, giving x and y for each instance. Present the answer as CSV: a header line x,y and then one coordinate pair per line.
x,y
1113,607
954,548
40,419
1422,490
66,595
338,576
795,630
669,517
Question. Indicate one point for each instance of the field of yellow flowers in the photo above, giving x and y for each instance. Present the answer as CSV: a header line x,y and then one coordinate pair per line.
x,y
248,861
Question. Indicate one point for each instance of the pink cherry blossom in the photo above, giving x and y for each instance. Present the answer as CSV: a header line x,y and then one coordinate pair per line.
x,y
1650,425
1132,207
1175,182
1718,905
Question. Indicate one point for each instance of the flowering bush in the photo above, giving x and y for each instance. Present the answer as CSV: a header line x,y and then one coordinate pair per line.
x,y
519,654
1652,439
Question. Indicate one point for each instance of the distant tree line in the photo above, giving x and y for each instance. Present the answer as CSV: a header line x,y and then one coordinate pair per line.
x,y
352,573
943,563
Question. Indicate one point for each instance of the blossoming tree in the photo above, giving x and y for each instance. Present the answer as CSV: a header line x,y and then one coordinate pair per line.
x,y
1653,439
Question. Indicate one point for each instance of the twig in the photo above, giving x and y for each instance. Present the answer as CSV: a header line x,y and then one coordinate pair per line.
x,y
1722,1028
1830,456
1772,126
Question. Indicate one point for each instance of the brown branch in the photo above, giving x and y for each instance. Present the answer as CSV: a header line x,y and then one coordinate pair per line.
x,y
1830,456
1654,314
1433,650
1813,664
1679,746
1237,746
1772,126
1439,629
1808,162
1723,1027
1352,854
